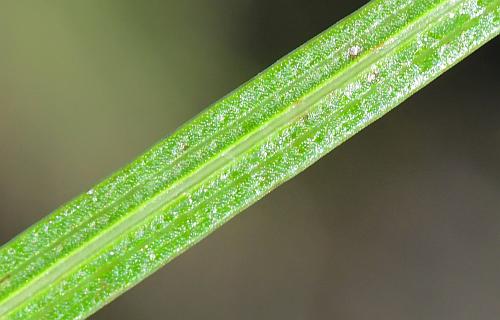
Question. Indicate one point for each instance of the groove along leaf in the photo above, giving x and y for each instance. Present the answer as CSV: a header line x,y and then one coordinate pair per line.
x,y
95,247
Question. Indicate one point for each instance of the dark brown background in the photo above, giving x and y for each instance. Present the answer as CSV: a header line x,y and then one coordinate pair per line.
x,y
401,222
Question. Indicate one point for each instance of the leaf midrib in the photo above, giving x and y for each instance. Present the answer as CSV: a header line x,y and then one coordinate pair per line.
x,y
182,185
197,147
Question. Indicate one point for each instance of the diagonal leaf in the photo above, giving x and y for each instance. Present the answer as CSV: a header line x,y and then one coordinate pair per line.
x,y
103,242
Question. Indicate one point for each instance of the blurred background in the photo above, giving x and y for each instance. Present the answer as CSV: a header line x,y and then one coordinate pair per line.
x,y
401,222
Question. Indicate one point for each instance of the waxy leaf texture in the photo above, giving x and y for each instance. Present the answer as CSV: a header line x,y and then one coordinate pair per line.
x,y
95,247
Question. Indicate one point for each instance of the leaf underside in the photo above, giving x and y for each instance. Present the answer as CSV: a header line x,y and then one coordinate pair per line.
x,y
105,241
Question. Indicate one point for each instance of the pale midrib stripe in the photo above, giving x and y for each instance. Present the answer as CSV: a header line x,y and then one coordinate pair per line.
x,y
199,145
231,183
121,226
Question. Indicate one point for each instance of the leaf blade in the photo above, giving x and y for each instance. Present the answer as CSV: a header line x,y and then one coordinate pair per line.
x,y
235,152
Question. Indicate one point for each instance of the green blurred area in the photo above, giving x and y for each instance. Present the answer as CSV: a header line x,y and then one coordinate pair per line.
x,y
401,222
84,83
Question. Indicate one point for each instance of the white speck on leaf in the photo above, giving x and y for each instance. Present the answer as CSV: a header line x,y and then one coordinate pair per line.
x,y
354,51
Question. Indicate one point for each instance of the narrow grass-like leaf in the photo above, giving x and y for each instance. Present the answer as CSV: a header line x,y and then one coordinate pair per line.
x,y
103,242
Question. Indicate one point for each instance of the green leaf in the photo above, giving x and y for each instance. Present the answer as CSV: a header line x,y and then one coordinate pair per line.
x,y
105,241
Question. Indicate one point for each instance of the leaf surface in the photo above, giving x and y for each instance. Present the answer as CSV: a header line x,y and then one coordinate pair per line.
x,y
105,241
